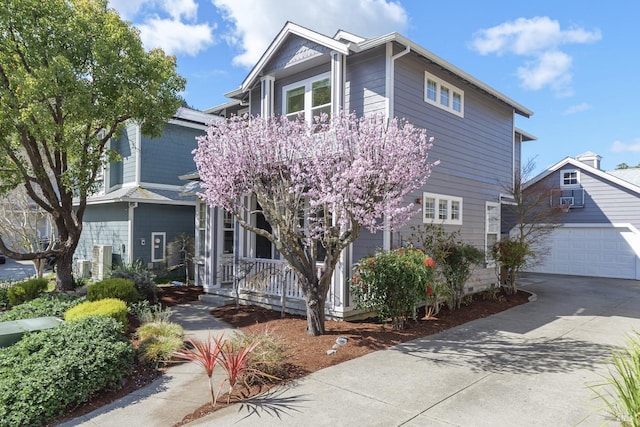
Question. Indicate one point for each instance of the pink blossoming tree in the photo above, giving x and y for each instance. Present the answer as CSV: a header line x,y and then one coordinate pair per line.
x,y
341,174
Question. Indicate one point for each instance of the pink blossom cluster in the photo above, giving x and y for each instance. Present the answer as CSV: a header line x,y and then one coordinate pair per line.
x,y
357,169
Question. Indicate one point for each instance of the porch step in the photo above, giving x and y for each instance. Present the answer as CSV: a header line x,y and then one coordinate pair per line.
x,y
216,300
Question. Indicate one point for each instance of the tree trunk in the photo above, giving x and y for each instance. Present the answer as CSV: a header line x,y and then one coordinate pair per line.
x,y
64,271
315,301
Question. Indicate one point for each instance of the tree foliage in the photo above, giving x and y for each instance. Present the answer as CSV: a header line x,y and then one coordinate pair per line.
x,y
71,72
316,185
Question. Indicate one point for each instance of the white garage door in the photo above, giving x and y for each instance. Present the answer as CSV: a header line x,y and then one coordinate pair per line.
x,y
598,251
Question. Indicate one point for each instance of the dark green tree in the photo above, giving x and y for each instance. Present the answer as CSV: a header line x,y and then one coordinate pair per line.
x,y
71,73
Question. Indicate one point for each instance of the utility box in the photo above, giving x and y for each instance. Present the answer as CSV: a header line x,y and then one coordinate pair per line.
x,y
101,263
84,268
12,331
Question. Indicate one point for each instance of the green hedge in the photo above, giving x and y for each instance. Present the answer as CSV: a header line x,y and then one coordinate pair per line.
x,y
111,307
45,305
122,289
26,291
48,371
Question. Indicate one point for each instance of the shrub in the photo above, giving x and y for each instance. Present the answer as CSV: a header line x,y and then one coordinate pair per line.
x,y
268,360
121,289
110,307
621,389
158,341
27,290
512,255
4,297
45,305
147,313
392,283
49,371
141,277
457,260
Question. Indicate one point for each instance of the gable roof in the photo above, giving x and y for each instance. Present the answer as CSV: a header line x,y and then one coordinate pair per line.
x,y
347,43
142,195
570,161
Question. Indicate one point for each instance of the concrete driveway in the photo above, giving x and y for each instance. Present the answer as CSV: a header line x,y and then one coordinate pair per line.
x,y
528,366
14,270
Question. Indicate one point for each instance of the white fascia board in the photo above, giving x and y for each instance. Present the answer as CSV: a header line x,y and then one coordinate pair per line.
x,y
396,37
288,29
526,136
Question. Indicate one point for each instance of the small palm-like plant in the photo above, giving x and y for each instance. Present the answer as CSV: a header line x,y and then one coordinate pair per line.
x,y
621,393
235,361
206,354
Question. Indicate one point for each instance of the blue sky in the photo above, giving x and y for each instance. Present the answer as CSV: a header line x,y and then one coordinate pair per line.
x,y
575,64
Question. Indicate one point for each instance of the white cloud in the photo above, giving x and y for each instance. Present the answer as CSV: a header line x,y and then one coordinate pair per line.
x,y
579,108
539,38
254,23
169,24
175,37
621,147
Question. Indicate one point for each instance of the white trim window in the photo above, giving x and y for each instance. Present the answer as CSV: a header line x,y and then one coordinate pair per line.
x,y
443,95
492,229
441,209
310,97
569,178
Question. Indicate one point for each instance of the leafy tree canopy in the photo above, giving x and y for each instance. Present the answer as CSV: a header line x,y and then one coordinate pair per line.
x,y
71,72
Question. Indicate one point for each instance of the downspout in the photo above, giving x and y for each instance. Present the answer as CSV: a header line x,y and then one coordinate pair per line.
x,y
389,90
138,154
132,206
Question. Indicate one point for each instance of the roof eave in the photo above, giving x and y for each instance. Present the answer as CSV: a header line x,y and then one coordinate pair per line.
x,y
399,38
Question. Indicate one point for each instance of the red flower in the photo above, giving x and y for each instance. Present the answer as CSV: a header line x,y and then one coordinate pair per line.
x,y
429,262
429,290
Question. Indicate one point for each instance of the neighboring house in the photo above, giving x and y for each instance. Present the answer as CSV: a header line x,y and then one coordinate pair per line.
x,y
599,233
303,71
138,208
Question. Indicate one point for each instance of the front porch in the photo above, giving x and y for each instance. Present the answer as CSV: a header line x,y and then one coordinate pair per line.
x,y
273,284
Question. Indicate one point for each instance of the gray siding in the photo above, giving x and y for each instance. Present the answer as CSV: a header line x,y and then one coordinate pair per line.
x,y
366,244
478,146
105,224
365,82
165,158
150,218
124,171
604,201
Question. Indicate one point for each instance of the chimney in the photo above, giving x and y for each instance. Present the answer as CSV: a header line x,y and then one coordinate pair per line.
x,y
590,158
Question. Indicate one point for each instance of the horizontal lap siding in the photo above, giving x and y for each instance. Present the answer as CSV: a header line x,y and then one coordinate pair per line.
x,y
124,171
475,151
605,202
365,82
104,224
169,156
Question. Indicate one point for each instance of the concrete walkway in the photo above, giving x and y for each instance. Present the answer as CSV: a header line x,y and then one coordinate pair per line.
x,y
528,366
182,390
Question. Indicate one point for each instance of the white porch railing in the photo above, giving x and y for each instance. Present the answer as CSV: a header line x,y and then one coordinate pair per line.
x,y
264,276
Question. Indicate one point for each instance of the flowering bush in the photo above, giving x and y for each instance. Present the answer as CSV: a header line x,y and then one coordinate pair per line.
x,y
454,260
512,255
392,283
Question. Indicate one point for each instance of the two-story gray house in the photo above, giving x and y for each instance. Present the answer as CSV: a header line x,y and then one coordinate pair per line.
x,y
138,208
599,232
473,125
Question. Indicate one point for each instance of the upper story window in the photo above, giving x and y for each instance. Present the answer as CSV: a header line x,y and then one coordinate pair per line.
x,y
311,97
443,95
441,209
569,178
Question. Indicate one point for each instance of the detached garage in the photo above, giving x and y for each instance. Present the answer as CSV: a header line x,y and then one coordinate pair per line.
x,y
591,250
598,231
